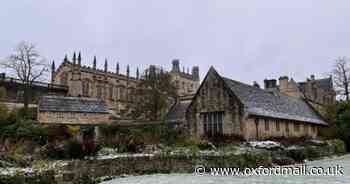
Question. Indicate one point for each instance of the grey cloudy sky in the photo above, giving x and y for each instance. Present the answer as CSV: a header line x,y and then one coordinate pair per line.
x,y
245,40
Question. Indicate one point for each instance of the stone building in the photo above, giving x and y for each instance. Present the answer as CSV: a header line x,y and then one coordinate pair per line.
x,y
72,111
223,106
115,88
14,88
316,91
187,83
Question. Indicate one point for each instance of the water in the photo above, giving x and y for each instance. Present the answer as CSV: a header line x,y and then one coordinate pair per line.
x,y
193,179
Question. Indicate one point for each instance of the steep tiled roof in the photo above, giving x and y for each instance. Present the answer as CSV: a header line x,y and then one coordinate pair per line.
x,y
273,104
72,104
178,112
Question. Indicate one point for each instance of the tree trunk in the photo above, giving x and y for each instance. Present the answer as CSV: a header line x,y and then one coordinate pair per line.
x,y
26,95
347,92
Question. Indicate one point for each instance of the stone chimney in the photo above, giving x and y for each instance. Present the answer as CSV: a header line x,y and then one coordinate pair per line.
x,y
270,84
176,65
283,83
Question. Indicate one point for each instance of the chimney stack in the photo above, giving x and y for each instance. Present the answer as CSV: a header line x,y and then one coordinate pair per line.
x,y
270,84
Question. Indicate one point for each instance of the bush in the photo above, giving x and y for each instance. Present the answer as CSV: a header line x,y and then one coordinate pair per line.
x,y
339,146
70,149
25,130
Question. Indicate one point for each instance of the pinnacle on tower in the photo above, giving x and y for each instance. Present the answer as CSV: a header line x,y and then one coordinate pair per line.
x,y
128,71
137,73
53,67
74,58
117,68
106,65
94,63
65,58
79,59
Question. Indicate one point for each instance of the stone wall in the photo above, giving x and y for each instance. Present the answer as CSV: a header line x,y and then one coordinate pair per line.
x,y
73,118
213,97
304,130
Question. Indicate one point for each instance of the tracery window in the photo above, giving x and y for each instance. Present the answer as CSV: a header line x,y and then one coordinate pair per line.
x,y
64,79
86,88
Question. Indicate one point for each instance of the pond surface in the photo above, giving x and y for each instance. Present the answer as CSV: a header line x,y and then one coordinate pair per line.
x,y
343,161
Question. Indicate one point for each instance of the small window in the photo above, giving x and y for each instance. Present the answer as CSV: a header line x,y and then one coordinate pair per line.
x,y
267,125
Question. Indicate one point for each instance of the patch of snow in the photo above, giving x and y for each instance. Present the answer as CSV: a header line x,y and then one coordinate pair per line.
x,y
114,156
265,144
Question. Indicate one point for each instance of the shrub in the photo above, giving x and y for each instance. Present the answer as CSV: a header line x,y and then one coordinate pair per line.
x,y
25,130
70,149
339,146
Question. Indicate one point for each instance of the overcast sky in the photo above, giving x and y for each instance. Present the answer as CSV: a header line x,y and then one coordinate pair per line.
x,y
244,40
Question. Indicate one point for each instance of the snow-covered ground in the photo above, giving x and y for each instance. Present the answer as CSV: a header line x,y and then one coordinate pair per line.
x,y
193,179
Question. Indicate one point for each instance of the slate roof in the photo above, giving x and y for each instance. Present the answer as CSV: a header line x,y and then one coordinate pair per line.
x,y
273,104
72,104
178,112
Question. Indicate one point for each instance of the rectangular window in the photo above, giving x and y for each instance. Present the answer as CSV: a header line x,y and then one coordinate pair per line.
x,y
205,123
267,125
278,128
213,123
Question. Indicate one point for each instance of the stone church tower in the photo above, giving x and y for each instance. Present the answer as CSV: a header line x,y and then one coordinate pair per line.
x,y
187,83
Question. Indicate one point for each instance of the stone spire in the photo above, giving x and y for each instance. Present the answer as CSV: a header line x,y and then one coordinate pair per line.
x,y
74,59
94,63
137,73
53,70
106,65
128,71
53,67
65,58
117,68
183,69
79,59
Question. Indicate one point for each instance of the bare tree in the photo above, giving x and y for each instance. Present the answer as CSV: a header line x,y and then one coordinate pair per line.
x,y
27,65
341,74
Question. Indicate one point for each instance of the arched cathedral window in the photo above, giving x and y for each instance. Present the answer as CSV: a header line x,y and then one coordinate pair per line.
x,y
111,92
86,87
64,79
99,92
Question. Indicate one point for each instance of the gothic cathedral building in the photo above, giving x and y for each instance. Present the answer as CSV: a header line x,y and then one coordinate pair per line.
x,y
115,88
